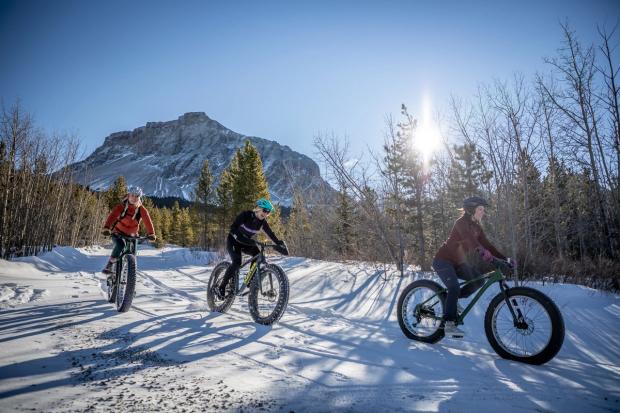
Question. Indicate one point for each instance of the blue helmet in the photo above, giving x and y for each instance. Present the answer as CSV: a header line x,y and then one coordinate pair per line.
x,y
264,204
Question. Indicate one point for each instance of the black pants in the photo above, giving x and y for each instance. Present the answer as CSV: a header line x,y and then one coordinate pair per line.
x,y
450,275
235,249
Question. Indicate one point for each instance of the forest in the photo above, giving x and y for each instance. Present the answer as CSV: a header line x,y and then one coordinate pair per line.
x,y
544,151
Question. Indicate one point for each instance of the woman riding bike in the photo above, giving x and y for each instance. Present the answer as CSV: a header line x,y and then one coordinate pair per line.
x,y
125,220
459,258
240,238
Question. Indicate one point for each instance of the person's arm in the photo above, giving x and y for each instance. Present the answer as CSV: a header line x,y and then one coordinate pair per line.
x,y
114,215
270,233
486,244
148,223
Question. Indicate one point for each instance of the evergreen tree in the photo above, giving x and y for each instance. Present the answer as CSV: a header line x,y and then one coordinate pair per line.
x,y
467,175
249,182
224,199
166,225
186,228
176,230
116,192
343,228
202,195
297,228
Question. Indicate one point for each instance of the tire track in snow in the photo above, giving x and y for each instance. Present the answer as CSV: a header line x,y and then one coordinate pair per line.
x,y
180,293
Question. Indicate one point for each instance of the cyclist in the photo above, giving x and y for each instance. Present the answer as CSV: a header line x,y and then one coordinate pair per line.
x,y
460,256
125,220
240,238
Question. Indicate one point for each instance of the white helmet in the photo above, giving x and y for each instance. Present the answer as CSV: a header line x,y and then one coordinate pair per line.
x,y
136,190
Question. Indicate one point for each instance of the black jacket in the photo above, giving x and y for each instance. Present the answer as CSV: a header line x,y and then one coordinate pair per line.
x,y
246,226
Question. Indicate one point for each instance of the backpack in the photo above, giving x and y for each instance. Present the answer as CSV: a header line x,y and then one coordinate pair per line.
x,y
136,216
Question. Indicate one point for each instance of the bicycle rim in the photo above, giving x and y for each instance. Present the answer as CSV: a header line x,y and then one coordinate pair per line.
x,y
268,293
422,314
522,342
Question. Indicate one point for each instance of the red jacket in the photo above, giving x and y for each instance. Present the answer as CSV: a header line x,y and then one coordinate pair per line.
x,y
129,225
465,237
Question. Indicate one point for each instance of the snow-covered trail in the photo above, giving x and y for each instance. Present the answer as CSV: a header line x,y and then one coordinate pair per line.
x,y
337,348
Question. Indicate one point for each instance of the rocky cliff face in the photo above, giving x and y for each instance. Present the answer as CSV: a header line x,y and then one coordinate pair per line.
x,y
165,158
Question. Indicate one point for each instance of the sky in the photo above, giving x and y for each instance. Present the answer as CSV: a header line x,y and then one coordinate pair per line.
x,y
280,70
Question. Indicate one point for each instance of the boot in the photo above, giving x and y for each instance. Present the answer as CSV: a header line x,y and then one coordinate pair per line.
x,y
451,330
108,267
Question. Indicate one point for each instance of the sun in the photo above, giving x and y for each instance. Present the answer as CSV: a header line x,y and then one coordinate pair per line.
x,y
427,138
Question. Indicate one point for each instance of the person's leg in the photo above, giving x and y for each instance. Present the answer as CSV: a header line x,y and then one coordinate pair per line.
x,y
466,273
234,250
119,243
445,271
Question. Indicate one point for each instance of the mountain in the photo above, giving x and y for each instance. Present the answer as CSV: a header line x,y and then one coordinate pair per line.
x,y
165,158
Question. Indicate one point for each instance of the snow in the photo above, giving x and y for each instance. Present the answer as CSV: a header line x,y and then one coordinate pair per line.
x,y
337,348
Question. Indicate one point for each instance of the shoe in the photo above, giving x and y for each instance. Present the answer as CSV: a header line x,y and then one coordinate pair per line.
x,y
223,291
451,330
108,268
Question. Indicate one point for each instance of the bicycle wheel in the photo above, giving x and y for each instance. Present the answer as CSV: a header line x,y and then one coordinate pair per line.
x,y
420,311
214,301
126,284
537,339
269,291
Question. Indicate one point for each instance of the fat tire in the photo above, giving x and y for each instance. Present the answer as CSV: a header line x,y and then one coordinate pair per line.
x,y
111,290
283,295
557,326
125,304
436,336
216,275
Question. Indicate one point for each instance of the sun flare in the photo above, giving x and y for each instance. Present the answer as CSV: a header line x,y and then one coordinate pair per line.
x,y
427,138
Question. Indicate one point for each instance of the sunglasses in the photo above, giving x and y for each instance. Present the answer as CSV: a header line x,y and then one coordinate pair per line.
x,y
266,211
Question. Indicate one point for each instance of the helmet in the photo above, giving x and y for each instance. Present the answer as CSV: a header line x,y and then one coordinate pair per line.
x,y
136,190
264,204
473,201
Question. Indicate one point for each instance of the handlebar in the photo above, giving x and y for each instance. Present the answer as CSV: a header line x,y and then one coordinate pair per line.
x,y
130,237
282,249
502,264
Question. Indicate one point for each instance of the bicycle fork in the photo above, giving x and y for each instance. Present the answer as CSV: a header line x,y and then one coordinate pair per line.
x,y
517,317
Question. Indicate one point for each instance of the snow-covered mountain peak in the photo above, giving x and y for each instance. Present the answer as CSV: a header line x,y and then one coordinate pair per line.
x,y
165,159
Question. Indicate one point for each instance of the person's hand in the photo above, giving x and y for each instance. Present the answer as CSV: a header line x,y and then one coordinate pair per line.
x,y
151,237
485,254
512,263
106,232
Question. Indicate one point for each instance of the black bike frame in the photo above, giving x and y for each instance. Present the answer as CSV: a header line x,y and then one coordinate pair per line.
x,y
258,260
491,277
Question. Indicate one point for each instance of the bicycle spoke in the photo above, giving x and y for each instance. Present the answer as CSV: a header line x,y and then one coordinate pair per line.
x,y
522,341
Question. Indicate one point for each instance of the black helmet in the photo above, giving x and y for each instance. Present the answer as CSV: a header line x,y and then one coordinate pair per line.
x,y
473,201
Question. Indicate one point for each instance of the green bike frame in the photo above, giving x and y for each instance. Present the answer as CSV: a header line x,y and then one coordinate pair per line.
x,y
491,277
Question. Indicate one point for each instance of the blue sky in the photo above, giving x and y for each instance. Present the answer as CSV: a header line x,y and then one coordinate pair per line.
x,y
279,70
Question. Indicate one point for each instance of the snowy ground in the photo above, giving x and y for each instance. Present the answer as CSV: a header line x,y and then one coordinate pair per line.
x,y
338,347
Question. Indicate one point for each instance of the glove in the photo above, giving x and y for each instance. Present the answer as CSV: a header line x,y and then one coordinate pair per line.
x,y
152,237
485,254
512,263
106,232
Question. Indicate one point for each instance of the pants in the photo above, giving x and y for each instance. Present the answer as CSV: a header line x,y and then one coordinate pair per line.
x,y
235,249
119,244
450,275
